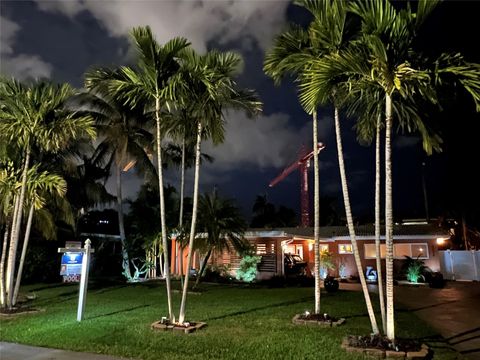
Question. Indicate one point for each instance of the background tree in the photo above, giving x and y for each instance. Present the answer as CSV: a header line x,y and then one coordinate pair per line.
x,y
220,227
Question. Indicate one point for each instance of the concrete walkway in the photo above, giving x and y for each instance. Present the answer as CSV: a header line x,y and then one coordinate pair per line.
x,y
10,351
453,311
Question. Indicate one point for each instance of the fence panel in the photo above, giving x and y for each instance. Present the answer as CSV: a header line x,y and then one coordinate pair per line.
x,y
460,264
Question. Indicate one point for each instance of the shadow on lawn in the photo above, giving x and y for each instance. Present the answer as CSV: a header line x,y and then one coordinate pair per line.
x,y
118,312
236,313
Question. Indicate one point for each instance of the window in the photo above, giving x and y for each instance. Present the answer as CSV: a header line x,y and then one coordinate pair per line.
x,y
261,249
370,252
323,247
399,251
345,249
420,251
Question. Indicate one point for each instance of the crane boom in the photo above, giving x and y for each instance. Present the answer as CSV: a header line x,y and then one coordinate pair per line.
x,y
302,163
295,165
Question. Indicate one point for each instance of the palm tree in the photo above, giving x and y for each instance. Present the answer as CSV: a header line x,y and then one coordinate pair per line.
x,y
223,226
152,82
290,55
210,79
36,119
40,186
295,51
125,142
383,60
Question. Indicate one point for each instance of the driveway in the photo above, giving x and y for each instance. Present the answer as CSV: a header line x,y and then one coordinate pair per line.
x,y
10,351
453,311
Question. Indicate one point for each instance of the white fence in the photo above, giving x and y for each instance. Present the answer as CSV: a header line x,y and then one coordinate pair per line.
x,y
460,264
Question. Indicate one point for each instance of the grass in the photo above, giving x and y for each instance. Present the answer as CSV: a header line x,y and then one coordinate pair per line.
x,y
243,323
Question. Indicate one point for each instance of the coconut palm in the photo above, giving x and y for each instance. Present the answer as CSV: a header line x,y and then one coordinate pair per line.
x,y
125,141
221,227
211,91
36,119
152,82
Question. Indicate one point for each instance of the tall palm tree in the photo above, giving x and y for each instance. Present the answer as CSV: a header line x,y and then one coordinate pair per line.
x,y
290,55
210,79
35,118
327,34
125,141
383,60
223,226
152,81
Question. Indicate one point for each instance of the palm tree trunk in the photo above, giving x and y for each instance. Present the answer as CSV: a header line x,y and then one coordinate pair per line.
x,y
121,226
351,228
162,209
389,219
377,226
12,251
181,316
8,224
202,269
180,216
24,252
316,202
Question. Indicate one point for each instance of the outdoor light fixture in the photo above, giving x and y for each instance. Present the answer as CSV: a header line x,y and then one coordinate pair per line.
x,y
441,241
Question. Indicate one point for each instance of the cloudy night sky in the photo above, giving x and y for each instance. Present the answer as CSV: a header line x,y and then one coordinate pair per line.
x,y
59,40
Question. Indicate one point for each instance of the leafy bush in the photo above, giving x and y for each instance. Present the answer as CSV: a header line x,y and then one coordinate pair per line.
x,y
248,268
217,273
414,269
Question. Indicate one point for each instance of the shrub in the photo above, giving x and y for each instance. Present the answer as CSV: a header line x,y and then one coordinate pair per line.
x,y
414,269
248,268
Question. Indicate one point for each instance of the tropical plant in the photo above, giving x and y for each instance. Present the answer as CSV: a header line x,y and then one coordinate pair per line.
x,y
383,61
295,52
36,119
211,91
152,82
221,227
124,143
247,271
414,268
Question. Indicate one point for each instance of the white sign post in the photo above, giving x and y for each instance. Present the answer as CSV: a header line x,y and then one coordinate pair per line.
x,y
82,296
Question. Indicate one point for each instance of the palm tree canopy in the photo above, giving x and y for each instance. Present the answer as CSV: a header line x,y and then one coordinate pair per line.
x,y
37,115
221,220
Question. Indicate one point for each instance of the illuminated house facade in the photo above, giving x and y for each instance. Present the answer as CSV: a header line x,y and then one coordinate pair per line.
x,y
418,240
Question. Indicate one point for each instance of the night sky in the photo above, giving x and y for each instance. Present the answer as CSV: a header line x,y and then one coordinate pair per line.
x,y
61,39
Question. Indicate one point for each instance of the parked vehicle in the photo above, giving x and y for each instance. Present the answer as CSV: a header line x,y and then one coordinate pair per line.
x,y
294,265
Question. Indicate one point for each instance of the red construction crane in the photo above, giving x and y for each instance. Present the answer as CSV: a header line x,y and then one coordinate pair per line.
x,y
302,163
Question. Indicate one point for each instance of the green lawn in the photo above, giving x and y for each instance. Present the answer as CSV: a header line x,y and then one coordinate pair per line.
x,y
243,323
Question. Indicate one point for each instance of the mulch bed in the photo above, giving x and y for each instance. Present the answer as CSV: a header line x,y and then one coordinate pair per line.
x,y
380,347
186,327
323,320
20,310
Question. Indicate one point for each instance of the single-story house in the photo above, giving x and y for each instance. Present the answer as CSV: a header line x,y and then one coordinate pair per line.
x,y
414,240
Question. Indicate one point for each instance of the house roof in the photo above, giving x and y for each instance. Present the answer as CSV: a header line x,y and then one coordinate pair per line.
x,y
360,230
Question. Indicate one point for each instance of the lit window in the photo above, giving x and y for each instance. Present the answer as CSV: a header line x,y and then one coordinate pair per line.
x,y
371,253
420,251
261,249
323,247
401,250
345,249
